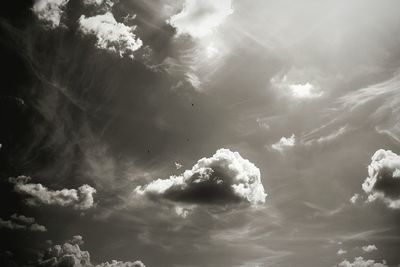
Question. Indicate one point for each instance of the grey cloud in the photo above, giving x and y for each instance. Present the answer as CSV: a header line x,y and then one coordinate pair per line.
x,y
109,3
110,35
369,248
383,178
21,222
80,199
50,11
23,219
76,240
223,178
360,262
70,254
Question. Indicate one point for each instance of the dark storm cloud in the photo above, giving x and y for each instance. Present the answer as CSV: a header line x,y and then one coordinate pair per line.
x,y
383,181
221,179
70,254
21,222
80,199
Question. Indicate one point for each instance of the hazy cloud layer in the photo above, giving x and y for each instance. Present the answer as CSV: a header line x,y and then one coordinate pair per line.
x,y
360,262
80,199
223,178
199,18
71,255
110,35
21,222
383,181
50,11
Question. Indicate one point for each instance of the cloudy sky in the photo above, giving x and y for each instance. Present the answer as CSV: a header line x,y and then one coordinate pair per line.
x,y
194,133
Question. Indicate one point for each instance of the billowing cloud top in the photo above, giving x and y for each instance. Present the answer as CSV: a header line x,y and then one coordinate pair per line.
x,y
80,199
383,181
223,178
110,35
50,11
70,254
199,18
360,262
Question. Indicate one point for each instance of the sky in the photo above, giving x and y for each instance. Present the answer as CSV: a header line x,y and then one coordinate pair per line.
x,y
200,133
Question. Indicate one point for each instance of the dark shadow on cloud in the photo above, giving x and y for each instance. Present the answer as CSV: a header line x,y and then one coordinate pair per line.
x,y
383,181
209,191
387,184
224,178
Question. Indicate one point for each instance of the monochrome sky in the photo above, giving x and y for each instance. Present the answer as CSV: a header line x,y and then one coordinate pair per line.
x,y
199,133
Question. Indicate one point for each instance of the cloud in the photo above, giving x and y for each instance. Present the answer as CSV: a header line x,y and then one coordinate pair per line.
x,y
223,178
80,199
354,198
305,90
383,181
21,222
341,252
379,103
115,263
178,165
76,239
369,248
97,2
360,262
199,18
110,35
49,11
284,143
71,255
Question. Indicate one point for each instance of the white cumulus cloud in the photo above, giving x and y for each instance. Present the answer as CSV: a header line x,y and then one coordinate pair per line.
x,y
81,198
223,178
369,248
383,181
360,262
70,254
199,17
50,11
286,86
284,143
110,35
